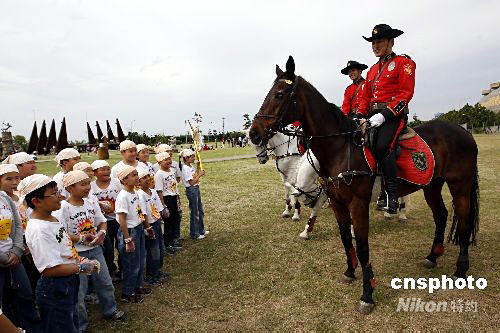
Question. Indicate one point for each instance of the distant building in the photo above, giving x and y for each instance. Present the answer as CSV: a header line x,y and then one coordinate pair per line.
x,y
491,97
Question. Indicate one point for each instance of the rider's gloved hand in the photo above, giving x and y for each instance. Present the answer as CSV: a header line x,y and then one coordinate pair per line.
x,y
376,120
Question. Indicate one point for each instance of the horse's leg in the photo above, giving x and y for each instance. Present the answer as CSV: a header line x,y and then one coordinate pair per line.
x,y
434,199
288,206
344,221
402,208
296,204
466,217
314,214
359,209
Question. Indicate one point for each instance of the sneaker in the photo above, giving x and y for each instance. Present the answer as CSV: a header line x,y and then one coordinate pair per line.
x,y
148,280
143,291
164,275
132,299
200,237
117,315
91,299
155,282
170,250
206,232
176,246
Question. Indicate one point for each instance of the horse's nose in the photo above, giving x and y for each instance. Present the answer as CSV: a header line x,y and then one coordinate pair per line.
x,y
254,136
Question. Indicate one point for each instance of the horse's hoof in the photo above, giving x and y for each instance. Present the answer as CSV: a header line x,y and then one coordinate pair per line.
x,y
348,279
285,216
365,308
304,235
402,218
388,216
428,264
296,218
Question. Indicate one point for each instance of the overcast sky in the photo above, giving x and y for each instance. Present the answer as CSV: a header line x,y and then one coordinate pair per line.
x,y
152,64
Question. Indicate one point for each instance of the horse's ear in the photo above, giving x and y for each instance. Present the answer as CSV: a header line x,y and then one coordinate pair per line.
x,y
290,67
279,72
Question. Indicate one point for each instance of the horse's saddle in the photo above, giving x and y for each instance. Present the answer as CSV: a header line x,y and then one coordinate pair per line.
x,y
414,158
370,138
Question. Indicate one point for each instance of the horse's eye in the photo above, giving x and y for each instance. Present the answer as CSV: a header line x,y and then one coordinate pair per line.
x,y
279,95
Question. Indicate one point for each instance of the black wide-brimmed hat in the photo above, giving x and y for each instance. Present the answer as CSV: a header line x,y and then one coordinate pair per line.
x,y
381,31
353,64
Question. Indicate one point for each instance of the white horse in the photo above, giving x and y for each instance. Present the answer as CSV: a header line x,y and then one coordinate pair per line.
x,y
311,194
287,156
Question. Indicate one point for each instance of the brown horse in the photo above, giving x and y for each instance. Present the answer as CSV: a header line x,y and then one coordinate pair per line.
x,y
332,136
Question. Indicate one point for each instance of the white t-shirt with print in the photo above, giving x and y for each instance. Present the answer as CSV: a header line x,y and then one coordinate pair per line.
x,y
187,174
152,203
58,178
24,212
82,219
108,195
166,182
49,244
6,222
174,166
130,204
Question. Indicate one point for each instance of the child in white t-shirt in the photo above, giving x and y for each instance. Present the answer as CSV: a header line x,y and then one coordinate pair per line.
x,y
24,162
106,188
54,255
143,158
154,212
164,148
191,179
11,251
66,159
166,186
128,150
130,215
86,226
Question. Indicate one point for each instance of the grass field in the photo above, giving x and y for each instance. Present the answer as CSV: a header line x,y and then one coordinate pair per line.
x,y
253,274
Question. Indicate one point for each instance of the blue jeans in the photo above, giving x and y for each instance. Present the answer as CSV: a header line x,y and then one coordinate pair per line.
x,y
102,285
19,305
57,298
196,226
154,249
133,262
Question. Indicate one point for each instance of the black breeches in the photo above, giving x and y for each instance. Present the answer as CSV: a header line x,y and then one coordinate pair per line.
x,y
386,137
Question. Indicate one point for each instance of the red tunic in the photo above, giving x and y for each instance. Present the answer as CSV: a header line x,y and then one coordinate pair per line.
x,y
351,97
393,86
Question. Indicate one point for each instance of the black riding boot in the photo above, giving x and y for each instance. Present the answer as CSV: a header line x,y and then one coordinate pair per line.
x,y
390,171
382,198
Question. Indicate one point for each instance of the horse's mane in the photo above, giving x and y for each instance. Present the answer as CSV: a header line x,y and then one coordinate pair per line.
x,y
345,124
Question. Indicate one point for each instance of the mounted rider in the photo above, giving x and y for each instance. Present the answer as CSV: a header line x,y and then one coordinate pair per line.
x,y
384,97
353,69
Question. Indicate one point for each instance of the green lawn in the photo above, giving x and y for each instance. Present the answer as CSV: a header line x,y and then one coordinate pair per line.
x,y
252,274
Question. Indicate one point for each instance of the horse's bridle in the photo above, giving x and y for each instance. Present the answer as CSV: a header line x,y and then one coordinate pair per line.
x,y
278,124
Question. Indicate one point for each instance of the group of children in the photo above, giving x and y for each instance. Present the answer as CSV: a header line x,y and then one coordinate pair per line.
x,y
58,235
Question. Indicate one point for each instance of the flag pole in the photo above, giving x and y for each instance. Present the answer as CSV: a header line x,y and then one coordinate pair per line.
x,y
195,133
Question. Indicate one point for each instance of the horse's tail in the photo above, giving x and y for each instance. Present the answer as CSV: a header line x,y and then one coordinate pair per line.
x,y
473,220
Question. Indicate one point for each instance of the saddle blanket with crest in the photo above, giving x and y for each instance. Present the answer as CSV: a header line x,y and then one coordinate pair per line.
x,y
415,163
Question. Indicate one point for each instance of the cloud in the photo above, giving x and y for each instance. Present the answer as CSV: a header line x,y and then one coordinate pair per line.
x,y
155,63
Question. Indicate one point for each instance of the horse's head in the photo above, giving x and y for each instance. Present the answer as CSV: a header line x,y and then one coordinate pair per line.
x,y
279,106
260,151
